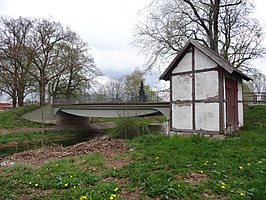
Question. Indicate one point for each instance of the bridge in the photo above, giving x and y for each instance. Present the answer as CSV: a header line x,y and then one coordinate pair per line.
x,y
79,113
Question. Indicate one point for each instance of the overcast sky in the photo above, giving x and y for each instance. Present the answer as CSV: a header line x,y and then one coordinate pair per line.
x,y
106,25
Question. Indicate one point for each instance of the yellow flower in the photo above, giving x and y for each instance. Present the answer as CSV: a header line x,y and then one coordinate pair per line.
x,y
156,163
157,157
200,171
66,184
240,167
30,183
242,194
222,183
248,164
71,176
111,198
259,161
222,186
115,189
83,197
36,185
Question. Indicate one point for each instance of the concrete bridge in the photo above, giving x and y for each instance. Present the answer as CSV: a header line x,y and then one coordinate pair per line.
x,y
78,114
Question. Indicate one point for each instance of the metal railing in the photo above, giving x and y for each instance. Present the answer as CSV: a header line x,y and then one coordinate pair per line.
x,y
158,96
254,98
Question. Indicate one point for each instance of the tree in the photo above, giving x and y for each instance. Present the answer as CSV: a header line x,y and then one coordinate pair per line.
x,y
225,26
78,69
14,63
132,83
142,95
43,55
258,83
115,89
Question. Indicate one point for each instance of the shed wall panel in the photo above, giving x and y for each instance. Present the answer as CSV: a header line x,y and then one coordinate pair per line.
x,y
202,61
207,116
240,114
181,87
182,116
207,85
185,64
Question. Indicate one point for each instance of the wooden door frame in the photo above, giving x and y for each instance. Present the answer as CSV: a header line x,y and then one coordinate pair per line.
x,y
231,91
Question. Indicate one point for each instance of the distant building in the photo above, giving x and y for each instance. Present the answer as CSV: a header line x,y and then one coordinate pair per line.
x,y
205,92
5,106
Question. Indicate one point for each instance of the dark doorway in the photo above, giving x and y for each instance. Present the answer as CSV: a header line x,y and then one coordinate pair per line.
x,y
232,123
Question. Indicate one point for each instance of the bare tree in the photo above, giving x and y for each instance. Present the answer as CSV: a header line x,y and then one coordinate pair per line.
x,y
78,68
226,26
42,54
14,63
44,37
258,83
115,89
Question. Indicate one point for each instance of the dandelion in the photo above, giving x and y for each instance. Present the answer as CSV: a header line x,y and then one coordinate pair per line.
x,y
222,183
200,171
156,163
66,184
248,164
71,176
242,194
240,167
112,196
222,186
36,185
74,187
83,197
116,189
30,183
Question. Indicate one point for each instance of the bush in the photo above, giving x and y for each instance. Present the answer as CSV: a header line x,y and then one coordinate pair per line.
x,y
129,127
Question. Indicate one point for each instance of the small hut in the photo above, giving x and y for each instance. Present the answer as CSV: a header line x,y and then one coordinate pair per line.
x,y
205,92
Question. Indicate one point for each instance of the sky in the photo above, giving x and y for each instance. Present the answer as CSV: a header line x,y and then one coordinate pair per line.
x,y
106,25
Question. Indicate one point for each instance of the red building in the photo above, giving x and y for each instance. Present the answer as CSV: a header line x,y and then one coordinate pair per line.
x,y
5,106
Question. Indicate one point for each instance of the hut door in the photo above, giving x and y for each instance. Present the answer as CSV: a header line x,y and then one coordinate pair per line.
x,y
231,105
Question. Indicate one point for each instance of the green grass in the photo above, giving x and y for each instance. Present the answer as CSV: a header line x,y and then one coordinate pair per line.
x,y
31,137
12,118
159,168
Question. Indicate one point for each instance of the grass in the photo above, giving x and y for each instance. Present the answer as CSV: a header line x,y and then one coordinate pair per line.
x,y
31,137
160,167
12,119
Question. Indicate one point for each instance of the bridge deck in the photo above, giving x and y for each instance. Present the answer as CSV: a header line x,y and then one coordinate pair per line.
x,y
110,110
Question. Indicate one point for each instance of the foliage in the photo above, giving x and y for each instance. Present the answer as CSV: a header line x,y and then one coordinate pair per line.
x,y
227,27
129,127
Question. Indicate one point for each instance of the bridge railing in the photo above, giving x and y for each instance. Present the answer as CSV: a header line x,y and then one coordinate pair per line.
x,y
158,96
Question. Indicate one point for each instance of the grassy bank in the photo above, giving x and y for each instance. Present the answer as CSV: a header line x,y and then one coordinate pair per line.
x,y
156,167
12,119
